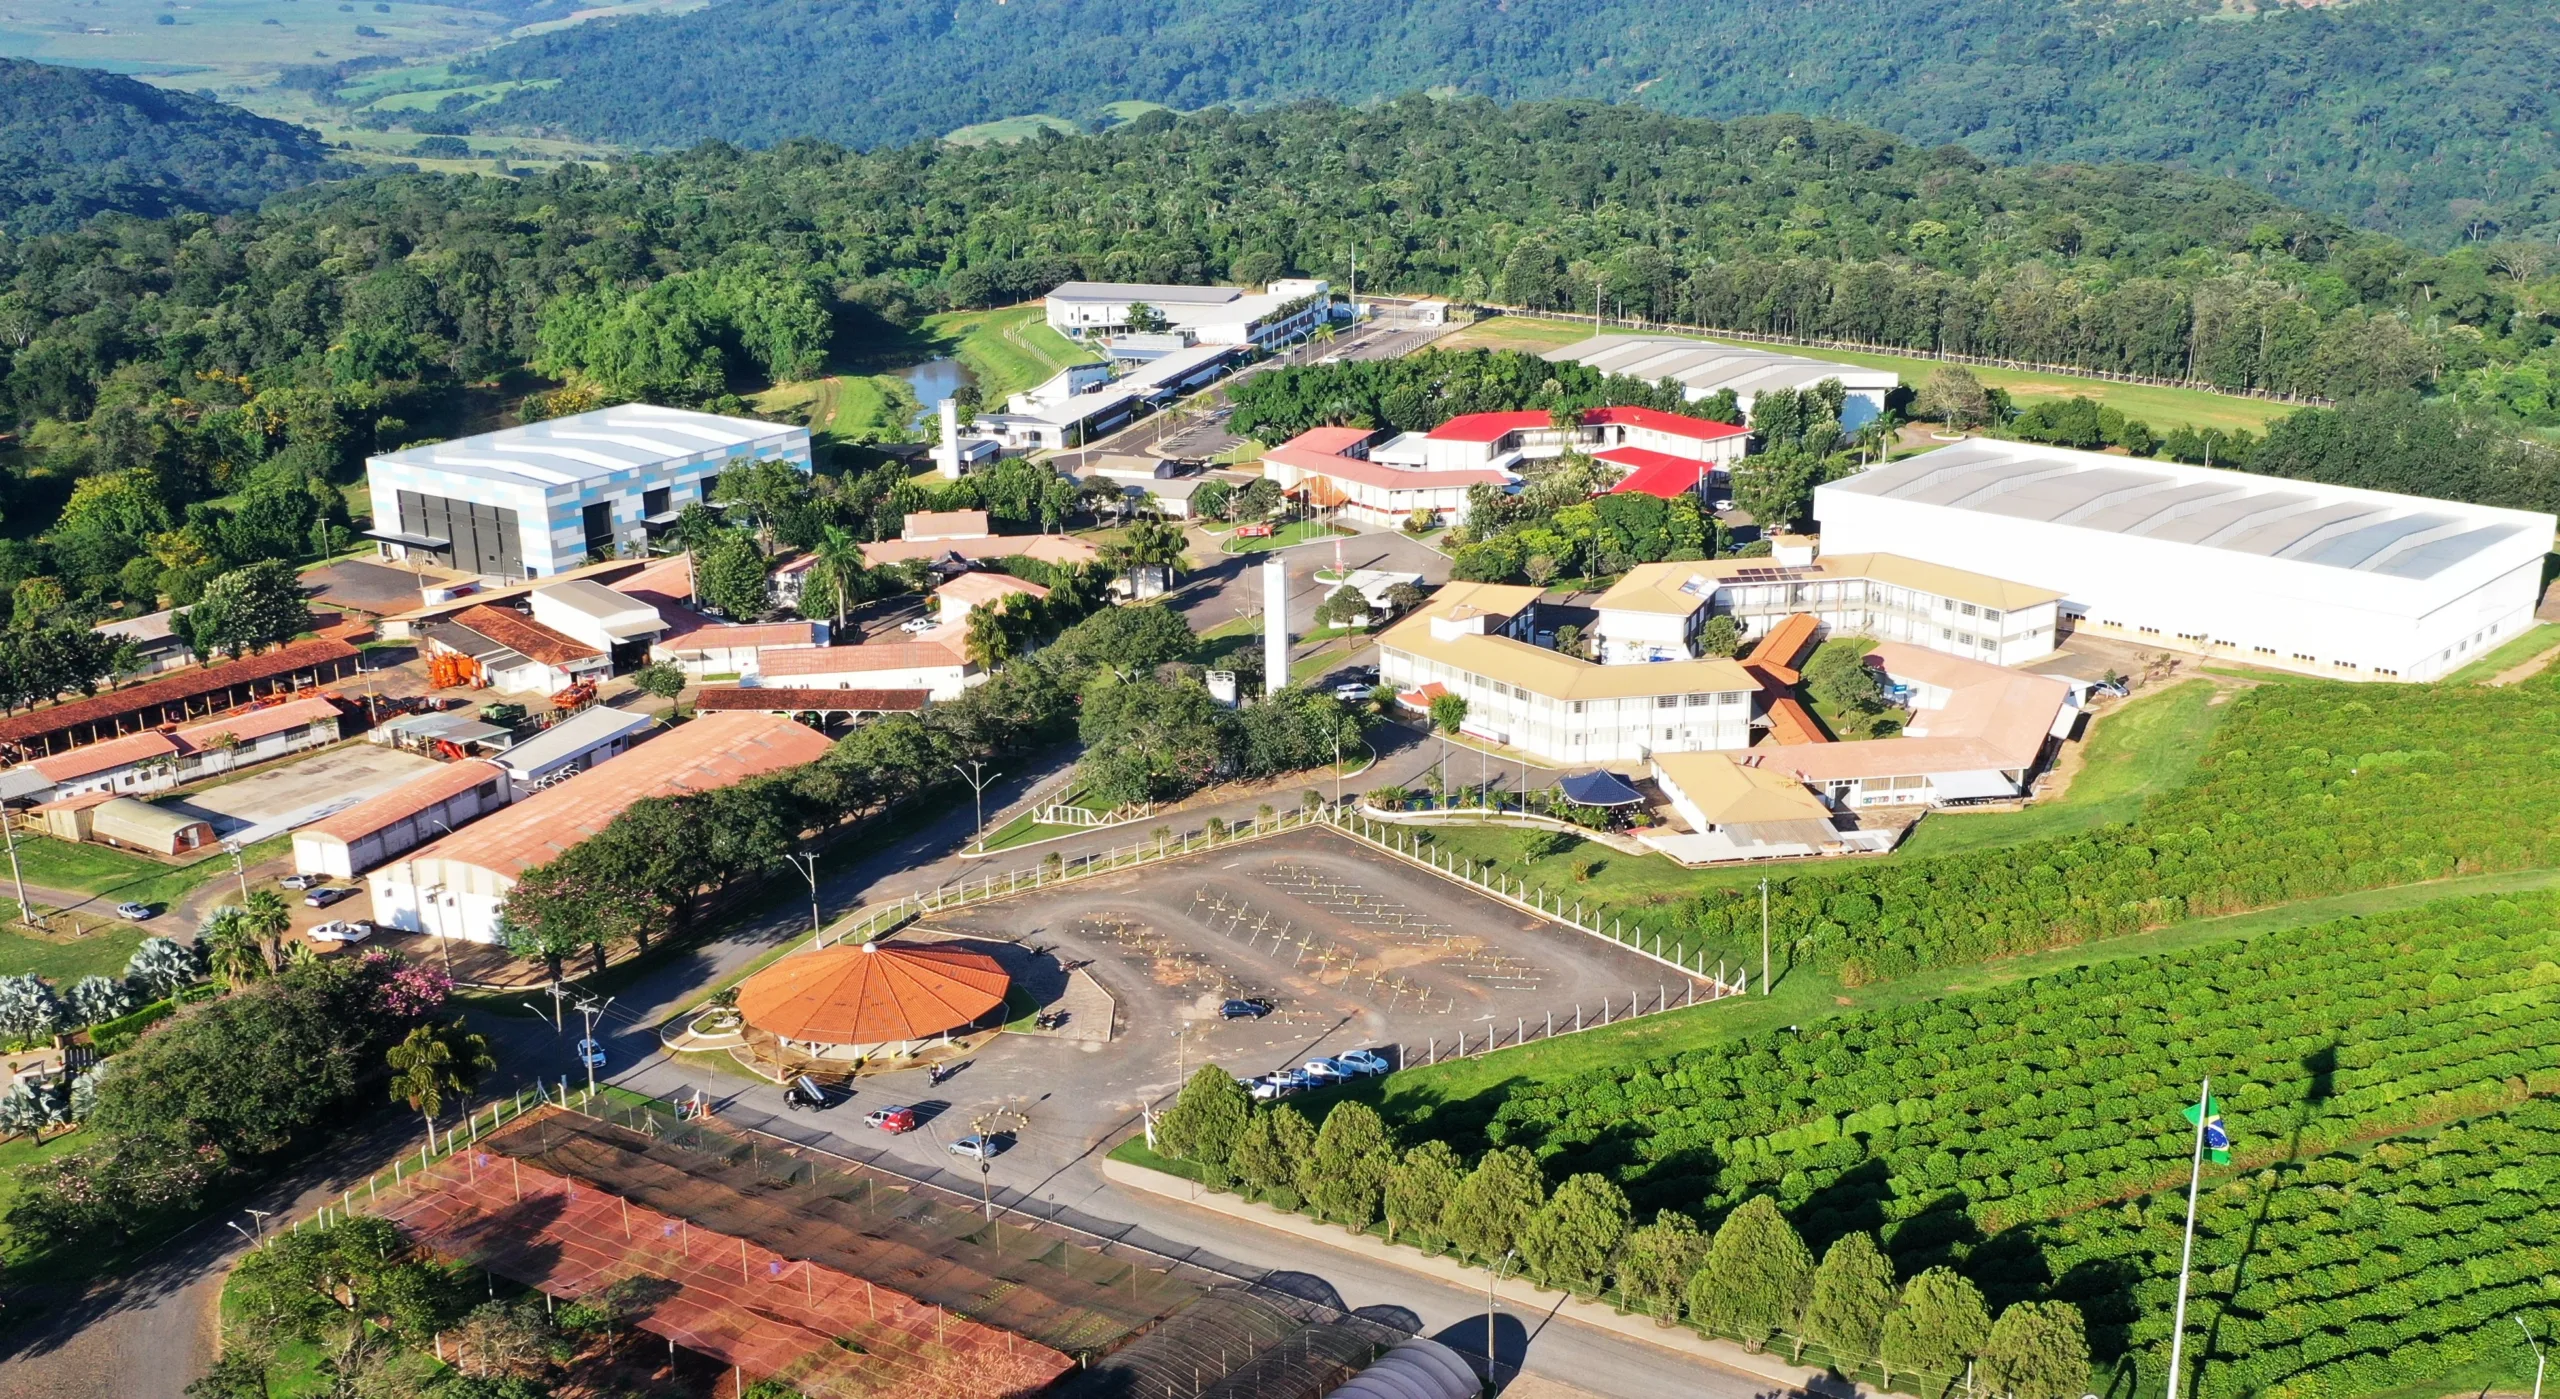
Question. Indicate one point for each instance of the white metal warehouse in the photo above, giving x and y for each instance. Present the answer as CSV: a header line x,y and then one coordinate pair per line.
x,y
2327,580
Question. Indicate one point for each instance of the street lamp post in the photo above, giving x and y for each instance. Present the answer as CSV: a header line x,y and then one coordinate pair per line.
x,y
1492,1276
807,864
238,868
9,831
978,784
2538,1356
588,1047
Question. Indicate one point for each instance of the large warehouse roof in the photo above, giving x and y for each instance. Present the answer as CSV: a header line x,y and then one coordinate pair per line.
x,y
1704,366
2271,517
588,446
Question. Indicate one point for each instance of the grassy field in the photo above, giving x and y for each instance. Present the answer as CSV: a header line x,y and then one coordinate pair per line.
x,y
2162,408
1007,350
1006,130
2145,745
2533,642
846,407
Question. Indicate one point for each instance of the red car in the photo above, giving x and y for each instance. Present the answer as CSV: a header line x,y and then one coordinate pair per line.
x,y
892,1120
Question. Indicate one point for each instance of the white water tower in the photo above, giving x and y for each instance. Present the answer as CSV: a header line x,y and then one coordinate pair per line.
x,y
1275,622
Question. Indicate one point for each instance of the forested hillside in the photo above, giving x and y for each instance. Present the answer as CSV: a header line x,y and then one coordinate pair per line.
x,y
75,142
203,381
2428,117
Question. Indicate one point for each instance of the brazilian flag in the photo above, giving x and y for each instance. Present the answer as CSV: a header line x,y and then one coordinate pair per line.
x,y
2217,1140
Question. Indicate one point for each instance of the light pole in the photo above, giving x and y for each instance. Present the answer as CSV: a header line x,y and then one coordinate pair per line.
x,y
9,831
978,785
238,867
258,1218
587,1048
1764,936
2538,1356
1493,1275
807,864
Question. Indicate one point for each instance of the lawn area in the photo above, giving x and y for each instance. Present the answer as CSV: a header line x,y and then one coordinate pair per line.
x,y
1007,350
1295,532
847,407
95,869
102,953
2162,408
2533,642
2143,746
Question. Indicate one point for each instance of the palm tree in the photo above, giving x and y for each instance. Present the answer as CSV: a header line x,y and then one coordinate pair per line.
x,y
836,566
269,918
433,1061
231,949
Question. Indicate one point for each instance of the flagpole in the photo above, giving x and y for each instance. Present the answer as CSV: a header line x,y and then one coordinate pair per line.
x,y
2186,1257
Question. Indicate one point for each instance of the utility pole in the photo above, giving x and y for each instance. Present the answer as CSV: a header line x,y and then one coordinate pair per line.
x,y
978,785
9,831
1764,936
807,864
2187,1255
588,1048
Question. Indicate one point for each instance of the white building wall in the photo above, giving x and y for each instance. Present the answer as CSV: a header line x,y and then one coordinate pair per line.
x,y
1581,731
2336,622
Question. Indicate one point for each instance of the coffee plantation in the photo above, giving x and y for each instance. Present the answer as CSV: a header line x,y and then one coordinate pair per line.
x,y
2003,1132
2307,790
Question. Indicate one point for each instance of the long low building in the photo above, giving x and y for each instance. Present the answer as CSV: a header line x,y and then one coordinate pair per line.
x,y
935,662
457,886
1477,641
1330,466
177,698
158,759
2295,575
444,798
1659,608
575,744
1704,368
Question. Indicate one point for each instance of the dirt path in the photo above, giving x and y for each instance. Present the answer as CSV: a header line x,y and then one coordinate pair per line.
x,y
2528,669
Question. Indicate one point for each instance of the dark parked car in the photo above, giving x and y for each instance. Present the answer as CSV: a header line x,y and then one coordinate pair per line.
x,y
1245,1008
322,898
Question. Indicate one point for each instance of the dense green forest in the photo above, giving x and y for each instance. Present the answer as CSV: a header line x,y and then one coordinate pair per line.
x,y
74,142
195,385
2432,118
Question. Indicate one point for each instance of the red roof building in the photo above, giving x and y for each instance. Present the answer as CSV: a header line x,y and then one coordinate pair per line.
x,y
197,693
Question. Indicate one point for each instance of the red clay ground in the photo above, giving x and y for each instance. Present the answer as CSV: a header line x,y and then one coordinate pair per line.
x,y
824,1332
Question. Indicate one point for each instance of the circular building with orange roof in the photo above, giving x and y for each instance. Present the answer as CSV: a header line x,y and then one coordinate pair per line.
x,y
862,1001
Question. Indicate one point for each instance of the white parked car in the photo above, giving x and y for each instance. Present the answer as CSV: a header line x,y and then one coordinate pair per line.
x,y
1325,1071
918,625
133,912
591,1054
1361,1061
340,932
1353,694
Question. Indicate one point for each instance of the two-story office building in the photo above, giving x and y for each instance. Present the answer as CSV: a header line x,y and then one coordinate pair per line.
x,y
1476,641
535,500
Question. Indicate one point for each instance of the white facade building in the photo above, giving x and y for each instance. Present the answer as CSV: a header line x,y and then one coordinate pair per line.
x,y
1474,640
2325,580
1703,367
1282,311
536,500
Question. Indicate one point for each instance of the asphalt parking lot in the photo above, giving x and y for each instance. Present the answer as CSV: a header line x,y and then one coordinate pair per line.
x,y
1354,949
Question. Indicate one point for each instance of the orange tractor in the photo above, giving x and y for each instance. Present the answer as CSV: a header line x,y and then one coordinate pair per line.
x,y
448,669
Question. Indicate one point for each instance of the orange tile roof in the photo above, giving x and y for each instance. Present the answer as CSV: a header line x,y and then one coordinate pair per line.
x,y
104,757
524,636
939,525
420,793
191,684
758,635
872,993
1047,548
921,654
1995,719
249,725
1785,643
1790,724
975,588
713,751
660,581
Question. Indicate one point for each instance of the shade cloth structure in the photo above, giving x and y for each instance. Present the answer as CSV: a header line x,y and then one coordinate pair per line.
x,y
873,994
1599,789
1417,1369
